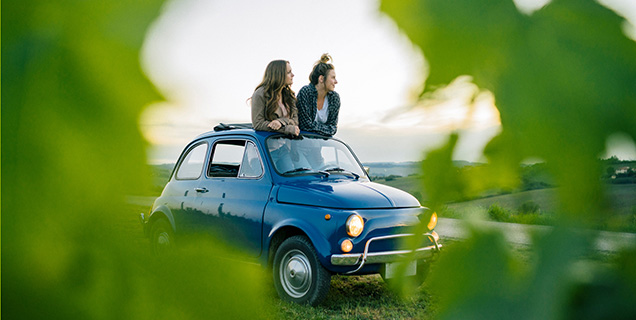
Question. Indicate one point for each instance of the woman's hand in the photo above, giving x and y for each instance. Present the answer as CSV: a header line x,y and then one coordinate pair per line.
x,y
274,125
292,130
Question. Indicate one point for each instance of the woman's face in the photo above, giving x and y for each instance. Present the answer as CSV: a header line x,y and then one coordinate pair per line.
x,y
330,81
289,76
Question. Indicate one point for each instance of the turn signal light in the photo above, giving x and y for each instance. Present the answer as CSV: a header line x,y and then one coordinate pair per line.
x,y
346,245
433,222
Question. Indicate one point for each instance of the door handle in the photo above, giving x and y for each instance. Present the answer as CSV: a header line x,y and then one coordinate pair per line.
x,y
201,190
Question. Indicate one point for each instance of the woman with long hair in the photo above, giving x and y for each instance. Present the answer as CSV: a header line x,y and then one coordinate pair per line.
x,y
318,104
274,102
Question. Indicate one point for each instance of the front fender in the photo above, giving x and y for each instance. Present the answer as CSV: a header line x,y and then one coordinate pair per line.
x,y
161,211
323,226
317,238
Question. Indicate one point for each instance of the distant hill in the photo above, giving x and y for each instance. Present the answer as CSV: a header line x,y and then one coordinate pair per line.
x,y
403,169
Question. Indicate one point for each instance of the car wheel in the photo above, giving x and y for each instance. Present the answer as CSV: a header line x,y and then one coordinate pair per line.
x,y
298,275
161,237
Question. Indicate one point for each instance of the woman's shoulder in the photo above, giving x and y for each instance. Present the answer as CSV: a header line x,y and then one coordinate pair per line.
x,y
259,92
307,88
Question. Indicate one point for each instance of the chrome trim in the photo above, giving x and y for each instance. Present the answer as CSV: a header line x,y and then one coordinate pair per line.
x,y
352,259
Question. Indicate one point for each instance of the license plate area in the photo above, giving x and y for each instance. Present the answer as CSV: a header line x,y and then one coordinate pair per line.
x,y
391,269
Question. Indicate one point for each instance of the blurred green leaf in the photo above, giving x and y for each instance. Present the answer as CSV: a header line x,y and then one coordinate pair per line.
x,y
443,182
564,80
71,153
481,279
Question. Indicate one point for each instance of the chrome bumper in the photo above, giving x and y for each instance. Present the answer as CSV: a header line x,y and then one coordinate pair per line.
x,y
144,225
360,259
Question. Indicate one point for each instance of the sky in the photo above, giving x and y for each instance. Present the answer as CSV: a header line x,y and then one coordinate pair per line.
x,y
206,57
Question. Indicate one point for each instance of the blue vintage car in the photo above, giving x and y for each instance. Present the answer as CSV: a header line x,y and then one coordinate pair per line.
x,y
304,207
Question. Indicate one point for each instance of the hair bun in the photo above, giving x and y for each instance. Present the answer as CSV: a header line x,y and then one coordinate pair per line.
x,y
325,58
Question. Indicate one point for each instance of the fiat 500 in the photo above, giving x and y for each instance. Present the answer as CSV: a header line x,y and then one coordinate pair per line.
x,y
303,207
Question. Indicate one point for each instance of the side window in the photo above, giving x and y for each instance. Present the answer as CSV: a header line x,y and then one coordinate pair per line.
x,y
192,165
226,158
251,166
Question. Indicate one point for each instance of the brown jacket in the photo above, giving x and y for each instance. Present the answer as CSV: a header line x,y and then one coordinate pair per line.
x,y
259,117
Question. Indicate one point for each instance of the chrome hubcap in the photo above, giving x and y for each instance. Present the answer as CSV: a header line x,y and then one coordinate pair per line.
x,y
295,273
163,239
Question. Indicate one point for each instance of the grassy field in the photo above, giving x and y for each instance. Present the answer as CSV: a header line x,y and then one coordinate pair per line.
x,y
361,297
620,199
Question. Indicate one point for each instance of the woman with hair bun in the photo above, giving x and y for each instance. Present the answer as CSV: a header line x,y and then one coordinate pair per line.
x,y
274,102
318,104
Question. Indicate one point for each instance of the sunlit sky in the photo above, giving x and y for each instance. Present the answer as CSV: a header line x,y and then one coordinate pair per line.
x,y
206,57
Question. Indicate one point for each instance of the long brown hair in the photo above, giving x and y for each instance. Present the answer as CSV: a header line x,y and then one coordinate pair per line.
x,y
321,68
274,85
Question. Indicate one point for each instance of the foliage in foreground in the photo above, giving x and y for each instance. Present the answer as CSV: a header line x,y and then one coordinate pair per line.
x,y
71,152
563,78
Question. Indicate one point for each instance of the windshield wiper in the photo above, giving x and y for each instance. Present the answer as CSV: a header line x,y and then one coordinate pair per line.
x,y
322,173
338,169
296,170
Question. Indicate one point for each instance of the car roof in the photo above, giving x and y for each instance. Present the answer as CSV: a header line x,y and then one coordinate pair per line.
x,y
250,132
223,129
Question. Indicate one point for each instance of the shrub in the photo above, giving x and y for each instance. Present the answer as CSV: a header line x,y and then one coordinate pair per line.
x,y
498,213
529,207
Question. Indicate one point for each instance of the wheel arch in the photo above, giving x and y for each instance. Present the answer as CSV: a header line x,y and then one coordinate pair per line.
x,y
162,212
292,228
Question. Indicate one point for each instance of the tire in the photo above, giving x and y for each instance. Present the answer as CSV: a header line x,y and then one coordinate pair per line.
x,y
298,275
161,237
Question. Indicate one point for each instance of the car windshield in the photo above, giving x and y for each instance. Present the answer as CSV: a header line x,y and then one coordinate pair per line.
x,y
312,154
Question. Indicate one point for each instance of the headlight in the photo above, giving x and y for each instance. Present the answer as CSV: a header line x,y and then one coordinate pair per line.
x,y
355,225
433,222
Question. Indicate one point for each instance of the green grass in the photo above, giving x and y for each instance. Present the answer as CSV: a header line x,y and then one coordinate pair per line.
x,y
361,297
538,207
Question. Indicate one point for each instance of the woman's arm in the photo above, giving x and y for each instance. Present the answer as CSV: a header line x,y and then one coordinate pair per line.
x,y
292,119
330,127
259,122
258,111
309,123
304,106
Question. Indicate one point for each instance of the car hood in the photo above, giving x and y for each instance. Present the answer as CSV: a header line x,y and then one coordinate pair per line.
x,y
345,194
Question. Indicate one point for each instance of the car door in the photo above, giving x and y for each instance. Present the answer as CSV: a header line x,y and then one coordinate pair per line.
x,y
237,190
182,192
